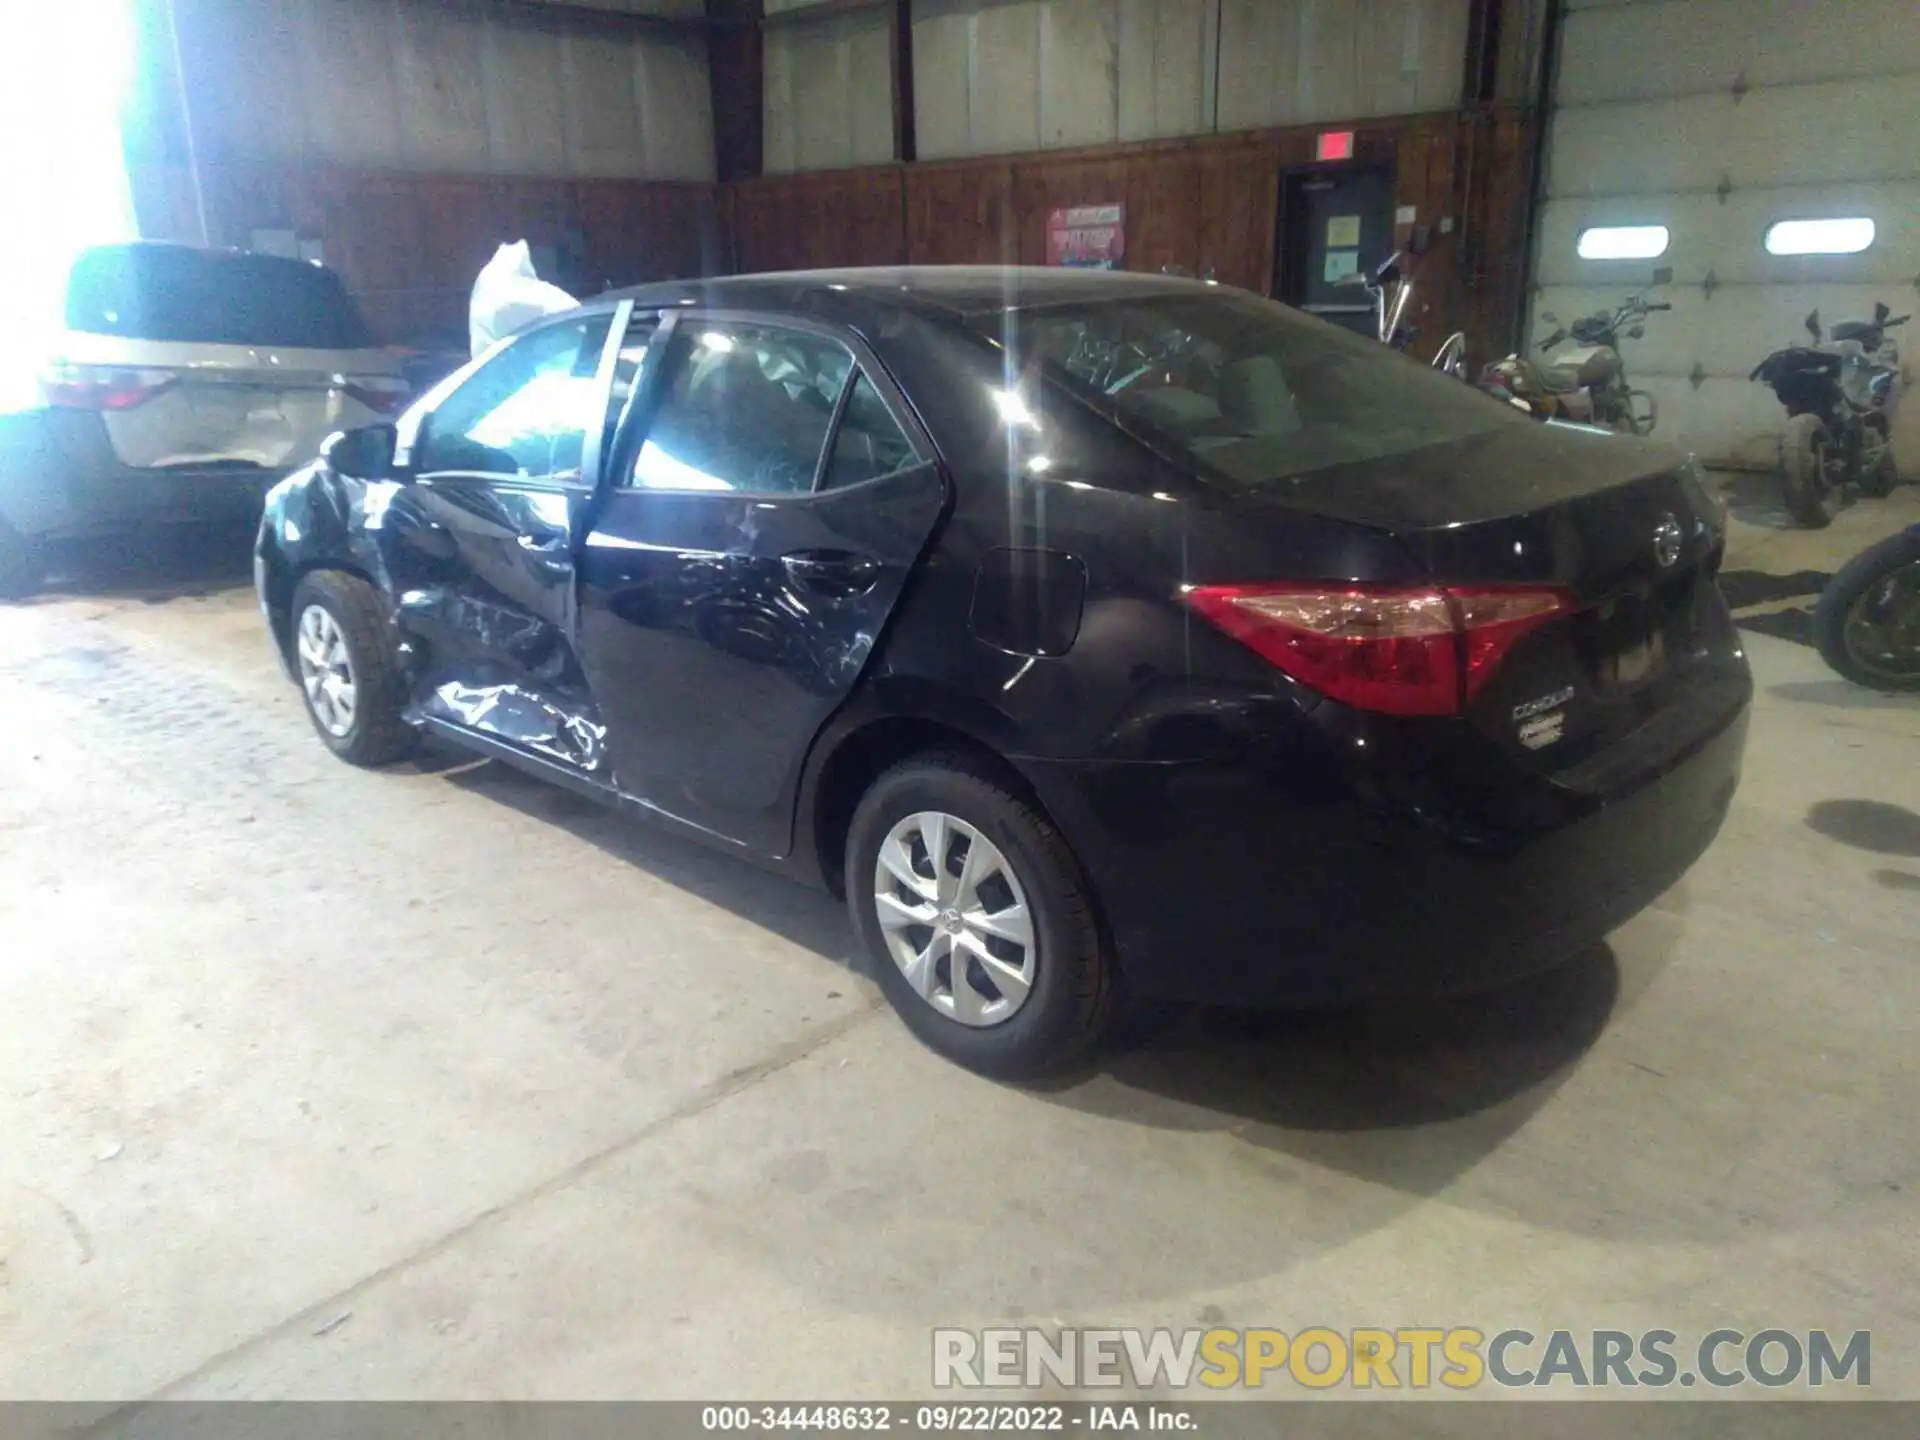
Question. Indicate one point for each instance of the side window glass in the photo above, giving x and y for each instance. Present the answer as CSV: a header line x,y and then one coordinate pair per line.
x,y
626,368
525,413
747,408
870,442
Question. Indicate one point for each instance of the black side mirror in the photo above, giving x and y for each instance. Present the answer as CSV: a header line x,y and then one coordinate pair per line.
x,y
365,453
1813,324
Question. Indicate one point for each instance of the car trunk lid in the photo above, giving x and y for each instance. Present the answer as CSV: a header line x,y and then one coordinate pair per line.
x,y
1621,531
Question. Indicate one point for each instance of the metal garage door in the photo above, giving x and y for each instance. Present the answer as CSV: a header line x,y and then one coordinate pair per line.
x,y
1716,118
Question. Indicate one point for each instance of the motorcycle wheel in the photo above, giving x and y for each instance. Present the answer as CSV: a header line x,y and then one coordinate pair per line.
x,y
1867,623
1884,476
1805,451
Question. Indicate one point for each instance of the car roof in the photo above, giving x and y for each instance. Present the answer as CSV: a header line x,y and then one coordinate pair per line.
x,y
959,290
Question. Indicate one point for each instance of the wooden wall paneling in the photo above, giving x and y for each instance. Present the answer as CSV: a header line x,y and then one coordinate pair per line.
x,y
762,233
243,196
634,231
408,245
838,217
1425,182
1163,211
1499,218
1045,182
961,214
1237,196
872,214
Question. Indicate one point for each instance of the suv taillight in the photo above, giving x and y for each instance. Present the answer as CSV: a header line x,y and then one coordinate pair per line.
x,y
1397,650
101,387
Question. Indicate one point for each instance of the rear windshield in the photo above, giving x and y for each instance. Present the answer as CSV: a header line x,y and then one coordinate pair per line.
x,y
1248,390
211,298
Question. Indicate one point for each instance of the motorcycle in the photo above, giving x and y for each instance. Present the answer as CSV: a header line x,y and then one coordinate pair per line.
x,y
1390,289
1867,622
1838,393
1586,384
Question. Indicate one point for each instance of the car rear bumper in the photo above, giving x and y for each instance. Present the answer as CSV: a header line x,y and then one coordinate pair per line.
x,y
60,479
1252,882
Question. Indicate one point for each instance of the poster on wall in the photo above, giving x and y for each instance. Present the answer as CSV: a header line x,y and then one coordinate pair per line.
x,y
1088,237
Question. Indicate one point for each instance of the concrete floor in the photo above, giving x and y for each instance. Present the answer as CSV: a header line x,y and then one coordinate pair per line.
x,y
436,1082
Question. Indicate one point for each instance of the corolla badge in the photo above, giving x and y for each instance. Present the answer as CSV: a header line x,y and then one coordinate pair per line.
x,y
1668,540
1540,722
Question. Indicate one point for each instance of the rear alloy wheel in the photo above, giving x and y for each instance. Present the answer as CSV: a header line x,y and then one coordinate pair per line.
x,y
349,668
1806,472
977,919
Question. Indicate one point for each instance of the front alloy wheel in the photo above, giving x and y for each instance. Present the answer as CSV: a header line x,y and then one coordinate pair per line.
x,y
326,671
955,918
348,661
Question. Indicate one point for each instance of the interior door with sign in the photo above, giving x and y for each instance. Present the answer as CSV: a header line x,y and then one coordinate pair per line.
x,y
1335,222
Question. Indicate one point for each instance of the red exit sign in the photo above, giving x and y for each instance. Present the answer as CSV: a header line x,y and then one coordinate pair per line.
x,y
1333,145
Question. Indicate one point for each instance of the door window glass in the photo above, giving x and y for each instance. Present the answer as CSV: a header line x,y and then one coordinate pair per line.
x,y
627,366
870,442
746,408
524,413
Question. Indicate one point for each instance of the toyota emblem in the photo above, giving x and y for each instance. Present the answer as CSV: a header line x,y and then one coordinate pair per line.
x,y
1668,540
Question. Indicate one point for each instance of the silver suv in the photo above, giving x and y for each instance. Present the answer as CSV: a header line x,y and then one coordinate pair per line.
x,y
184,383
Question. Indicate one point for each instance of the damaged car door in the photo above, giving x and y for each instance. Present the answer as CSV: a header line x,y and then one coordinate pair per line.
x,y
760,516
502,471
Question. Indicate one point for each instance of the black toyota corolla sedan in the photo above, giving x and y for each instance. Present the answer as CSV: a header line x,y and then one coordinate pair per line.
x,y
1096,635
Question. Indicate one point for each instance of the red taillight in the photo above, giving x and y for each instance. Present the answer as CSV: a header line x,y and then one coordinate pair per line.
x,y
380,395
1396,650
97,387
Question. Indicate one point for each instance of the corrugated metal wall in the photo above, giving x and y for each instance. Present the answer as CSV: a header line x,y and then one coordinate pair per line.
x,y
995,77
1716,118
406,85
828,92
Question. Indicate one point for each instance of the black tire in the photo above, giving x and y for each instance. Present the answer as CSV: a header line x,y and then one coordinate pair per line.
x,y
378,733
1072,997
1858,581
1811,500
22,567
1882,480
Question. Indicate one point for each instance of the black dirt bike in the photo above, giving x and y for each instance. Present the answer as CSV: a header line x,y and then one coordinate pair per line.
x,y
1867,623
1839,430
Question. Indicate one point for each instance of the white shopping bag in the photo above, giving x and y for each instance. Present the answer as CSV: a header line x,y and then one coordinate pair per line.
x,y
509,296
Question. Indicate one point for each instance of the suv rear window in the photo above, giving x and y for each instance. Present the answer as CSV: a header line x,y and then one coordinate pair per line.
x,y
211,298
1249,391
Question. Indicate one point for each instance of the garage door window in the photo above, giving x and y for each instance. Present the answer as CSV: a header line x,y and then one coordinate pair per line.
x,y
1622,242
1820,237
